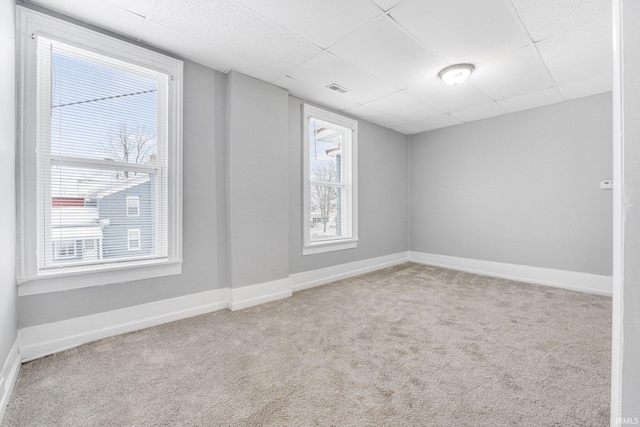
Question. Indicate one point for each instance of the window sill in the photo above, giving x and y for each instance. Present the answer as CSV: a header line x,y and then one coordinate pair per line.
x,y
331,246
106,275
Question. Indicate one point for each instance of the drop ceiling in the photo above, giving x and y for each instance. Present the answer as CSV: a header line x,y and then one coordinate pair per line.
x,y
387,53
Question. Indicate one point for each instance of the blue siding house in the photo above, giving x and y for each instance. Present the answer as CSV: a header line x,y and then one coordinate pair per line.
x,y
128,217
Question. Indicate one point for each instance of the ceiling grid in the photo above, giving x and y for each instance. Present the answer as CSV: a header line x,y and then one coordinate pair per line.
x,y
387,53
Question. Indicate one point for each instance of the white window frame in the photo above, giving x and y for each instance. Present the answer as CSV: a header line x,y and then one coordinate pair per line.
x,y
350,184
133,203
31,279
131,238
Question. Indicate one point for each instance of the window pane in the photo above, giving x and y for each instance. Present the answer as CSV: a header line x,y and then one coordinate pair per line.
x,y
101,111
133,238
325,163
89,206
326,212
133,206
64,250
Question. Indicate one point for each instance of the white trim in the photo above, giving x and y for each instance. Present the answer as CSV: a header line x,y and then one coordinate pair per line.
x,y
248,296
8,377
330,246
572,280
310,279
42,340
617,326
102,275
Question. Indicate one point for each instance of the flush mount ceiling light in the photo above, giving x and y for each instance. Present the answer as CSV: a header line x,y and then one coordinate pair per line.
x,y
456,74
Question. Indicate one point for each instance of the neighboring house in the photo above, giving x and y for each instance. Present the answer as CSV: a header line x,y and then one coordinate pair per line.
x,y
104,223
76,233
128,215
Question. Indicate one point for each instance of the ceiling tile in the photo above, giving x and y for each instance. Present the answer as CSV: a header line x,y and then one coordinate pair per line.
x,y
203,53
99,13
586,87
580,54
231,27
547,18
437,122
326,69
462,30
404,107
449,98
374,116
407,129
531,100
512,74
139,7
479,113
374,55
383,49
322,22
387,4
322,96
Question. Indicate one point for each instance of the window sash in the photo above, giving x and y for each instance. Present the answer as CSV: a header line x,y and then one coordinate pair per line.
x,y
47,158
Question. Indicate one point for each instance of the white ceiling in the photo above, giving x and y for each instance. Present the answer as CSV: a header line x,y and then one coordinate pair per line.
x,y
527,53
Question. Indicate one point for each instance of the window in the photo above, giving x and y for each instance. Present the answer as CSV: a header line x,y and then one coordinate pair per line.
x,y
133,206
64,249
100,151
329,182
133,239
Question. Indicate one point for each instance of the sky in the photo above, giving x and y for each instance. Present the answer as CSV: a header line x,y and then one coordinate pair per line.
x,y
92,104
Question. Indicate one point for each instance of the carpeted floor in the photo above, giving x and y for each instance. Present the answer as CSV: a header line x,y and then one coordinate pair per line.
x,y
411,345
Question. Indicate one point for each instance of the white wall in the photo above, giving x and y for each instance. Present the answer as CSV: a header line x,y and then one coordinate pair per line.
x,y
625,378
520,189
382,195
8,319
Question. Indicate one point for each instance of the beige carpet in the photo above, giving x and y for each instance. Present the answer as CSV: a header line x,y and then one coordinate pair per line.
x,y
411,345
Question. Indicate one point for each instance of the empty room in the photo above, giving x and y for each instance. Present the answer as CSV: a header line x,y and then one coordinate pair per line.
x,y
319,213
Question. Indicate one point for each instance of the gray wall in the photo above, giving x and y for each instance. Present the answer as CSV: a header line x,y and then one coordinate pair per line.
x,y
258,195
521,188
8,319
382,195
203,227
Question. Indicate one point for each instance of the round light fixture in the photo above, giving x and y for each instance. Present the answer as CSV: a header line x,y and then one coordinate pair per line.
x,y
456,74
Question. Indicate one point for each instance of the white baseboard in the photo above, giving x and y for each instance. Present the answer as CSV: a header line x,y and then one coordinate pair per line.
x,y
310,279
582,282
42,340
248,296
8,377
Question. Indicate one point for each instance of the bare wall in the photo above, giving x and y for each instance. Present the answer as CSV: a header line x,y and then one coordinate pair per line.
x,y
382,195
8,317
521,188
258,194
